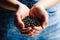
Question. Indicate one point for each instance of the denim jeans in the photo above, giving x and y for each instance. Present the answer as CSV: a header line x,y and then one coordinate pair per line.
x,y
8,31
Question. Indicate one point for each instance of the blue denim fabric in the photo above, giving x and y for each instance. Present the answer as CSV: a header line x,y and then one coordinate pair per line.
x,y
29,3
9,32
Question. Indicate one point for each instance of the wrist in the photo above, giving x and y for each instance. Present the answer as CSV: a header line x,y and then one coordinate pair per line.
x,y
41,8
19,5
37,5
40,5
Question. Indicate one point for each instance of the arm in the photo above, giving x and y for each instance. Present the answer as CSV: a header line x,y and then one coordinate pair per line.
x,y
10,4
47,3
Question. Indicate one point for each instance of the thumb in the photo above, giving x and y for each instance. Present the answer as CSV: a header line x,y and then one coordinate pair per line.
x,y
44,25
45,17
18,21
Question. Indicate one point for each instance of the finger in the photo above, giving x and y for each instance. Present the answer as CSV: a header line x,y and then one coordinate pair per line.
x,y
44,25
30,33
17,21
27,32
37,28
20,23
36,32
26,29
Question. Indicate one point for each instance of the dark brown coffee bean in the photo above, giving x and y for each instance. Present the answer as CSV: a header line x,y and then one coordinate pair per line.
x,y
31,21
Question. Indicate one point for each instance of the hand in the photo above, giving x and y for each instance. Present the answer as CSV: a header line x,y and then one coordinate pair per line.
x,y
42,15
21,13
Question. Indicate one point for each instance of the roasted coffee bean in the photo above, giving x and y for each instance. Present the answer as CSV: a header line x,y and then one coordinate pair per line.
x,y
31,21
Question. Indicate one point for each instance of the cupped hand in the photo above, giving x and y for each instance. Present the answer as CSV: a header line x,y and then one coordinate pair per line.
x,y
21,13
41,13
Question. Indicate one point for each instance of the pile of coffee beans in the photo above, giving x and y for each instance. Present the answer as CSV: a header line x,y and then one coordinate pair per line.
x,y
31,21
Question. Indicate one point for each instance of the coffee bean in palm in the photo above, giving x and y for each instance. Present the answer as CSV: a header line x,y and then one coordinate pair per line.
x,y
31,21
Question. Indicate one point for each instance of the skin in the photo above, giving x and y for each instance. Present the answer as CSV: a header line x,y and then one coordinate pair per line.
x,y
22,11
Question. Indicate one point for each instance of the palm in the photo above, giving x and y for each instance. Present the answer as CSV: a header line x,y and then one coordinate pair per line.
x,y
41,14
21,13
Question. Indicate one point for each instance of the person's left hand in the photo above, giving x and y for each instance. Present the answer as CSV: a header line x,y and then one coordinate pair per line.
x,y
42,15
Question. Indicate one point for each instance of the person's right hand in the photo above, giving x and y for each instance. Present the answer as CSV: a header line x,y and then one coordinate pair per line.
x,y
21,13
